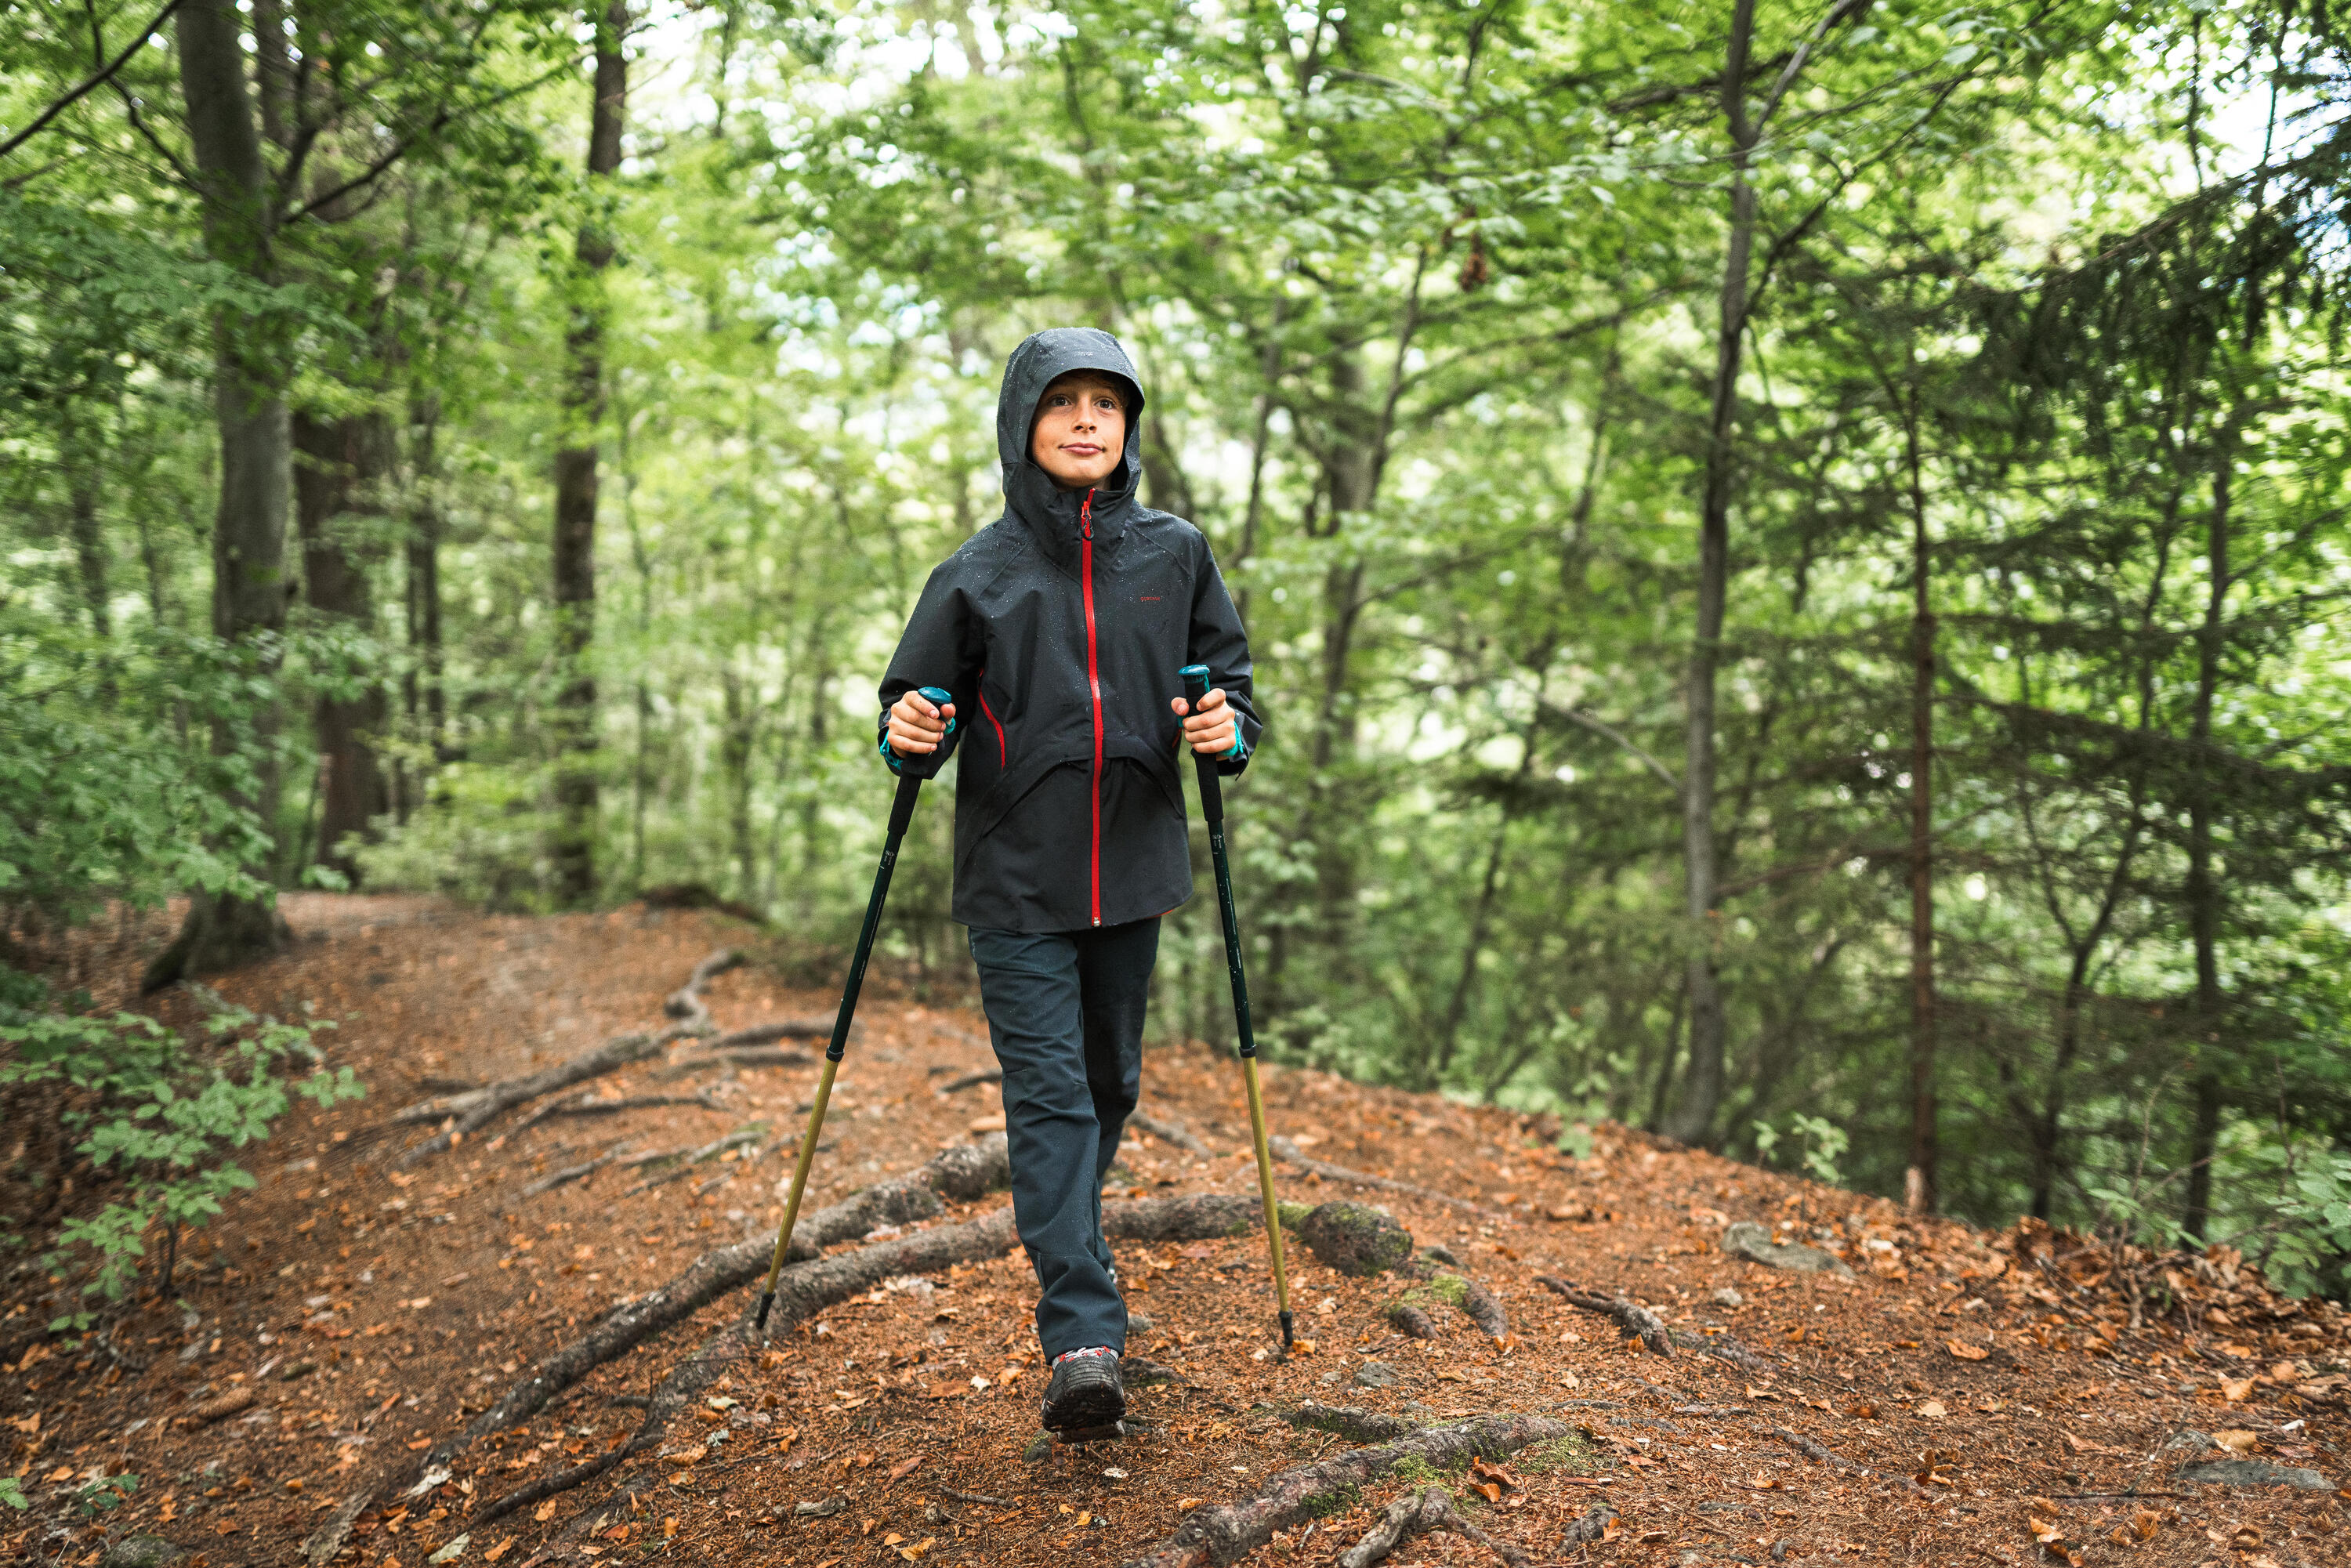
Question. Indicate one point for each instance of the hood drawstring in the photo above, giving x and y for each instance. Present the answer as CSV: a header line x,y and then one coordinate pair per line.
x,y
1086,515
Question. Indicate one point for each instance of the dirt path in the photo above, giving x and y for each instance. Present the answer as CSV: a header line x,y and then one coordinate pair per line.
x,y
1963,1397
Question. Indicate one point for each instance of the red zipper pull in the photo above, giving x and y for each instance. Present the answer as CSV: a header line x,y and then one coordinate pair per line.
x,y
1086,516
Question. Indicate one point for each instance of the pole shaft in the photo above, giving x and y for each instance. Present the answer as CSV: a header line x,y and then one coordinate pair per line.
x,y
1212,808
901,812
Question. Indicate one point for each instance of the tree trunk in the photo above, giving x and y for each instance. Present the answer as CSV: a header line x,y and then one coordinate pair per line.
x,y
1693,1118
2204,898
249,528
81,453
344,461
1919,1183
575,481
424,696
737,743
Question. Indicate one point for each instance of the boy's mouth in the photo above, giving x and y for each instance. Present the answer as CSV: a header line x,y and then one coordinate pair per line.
x,y
1081,449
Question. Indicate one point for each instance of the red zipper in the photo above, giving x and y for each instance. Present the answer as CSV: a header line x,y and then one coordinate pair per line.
x,y
1094,680
1003,756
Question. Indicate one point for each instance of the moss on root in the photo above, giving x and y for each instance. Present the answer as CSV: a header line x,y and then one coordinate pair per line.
x,y
1355,1239
1574,1453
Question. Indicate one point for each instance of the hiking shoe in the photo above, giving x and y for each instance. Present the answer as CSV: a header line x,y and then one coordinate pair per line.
x,y
1085,1393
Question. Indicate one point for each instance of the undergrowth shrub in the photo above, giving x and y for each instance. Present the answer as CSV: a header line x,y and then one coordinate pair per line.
x,y
157,1117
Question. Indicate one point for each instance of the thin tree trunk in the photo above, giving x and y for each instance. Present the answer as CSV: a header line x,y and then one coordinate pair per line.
x,y
344,462
427,699
735,747
2204,897
80,455
576,791
1919,1183
1692,1121
249,528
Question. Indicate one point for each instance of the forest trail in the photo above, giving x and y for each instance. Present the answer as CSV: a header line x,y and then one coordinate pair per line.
x,y
1965,1397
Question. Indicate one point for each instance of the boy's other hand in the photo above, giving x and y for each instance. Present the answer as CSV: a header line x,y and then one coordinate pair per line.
x,y
1210,731
917,725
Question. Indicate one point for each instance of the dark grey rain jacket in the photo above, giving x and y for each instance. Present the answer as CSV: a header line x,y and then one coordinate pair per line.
x,y
1061,628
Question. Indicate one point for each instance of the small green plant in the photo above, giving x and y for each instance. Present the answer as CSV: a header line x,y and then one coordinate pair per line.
x,y
161,1116
107,1491
1822,1141
12,1492
2309,1249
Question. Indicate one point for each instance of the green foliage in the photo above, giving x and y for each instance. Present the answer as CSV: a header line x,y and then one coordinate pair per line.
x,y
160,1117
12,1493
102,792
1821,1143
104,1493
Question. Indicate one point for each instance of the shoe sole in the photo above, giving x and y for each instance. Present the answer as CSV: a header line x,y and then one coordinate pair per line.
x,y
1088,1409
1070,1436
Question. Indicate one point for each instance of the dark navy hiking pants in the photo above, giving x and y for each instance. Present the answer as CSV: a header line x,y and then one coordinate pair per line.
x,y
1065,1011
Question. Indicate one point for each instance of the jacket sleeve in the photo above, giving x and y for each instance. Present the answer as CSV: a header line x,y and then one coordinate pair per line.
x,y
1218,641
941,646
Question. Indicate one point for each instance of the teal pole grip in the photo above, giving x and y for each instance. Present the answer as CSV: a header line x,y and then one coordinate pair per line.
x,y
940,696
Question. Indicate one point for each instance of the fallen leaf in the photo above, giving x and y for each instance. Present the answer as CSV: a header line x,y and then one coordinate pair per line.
x,y
543,1512
904,1468
1184,1504
988,1125
2236,1442
2235,1389
1933,1410
500,1550
1966,1351
946,1388
692,1456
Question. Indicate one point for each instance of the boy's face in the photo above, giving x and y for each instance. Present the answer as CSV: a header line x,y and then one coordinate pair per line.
x,y
1080,435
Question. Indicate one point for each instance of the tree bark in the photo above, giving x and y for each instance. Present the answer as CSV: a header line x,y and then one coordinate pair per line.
x,y
576,480
249,528
81,453
1692,1121
344,461
1919,1183
2204,898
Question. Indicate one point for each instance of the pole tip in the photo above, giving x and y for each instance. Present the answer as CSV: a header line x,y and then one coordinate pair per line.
x,y
766,1299
1288,1328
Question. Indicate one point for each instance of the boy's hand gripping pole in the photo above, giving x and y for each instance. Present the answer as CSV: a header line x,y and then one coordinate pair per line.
x,y
1212,806
901,812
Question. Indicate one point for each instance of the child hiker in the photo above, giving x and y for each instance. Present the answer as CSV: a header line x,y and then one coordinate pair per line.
x,y
1060,630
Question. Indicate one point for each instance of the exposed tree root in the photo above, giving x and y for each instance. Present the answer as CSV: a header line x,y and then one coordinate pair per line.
x,y
974,1080
808,1288
471,1113
1409,1319
586,1169
1638,1321
1726,1347
769,1033
1168,1130
1355,1425
1592,1526
1817,1453
589,1105
1409,1312
1417,1514
685,1002
961,1173
1297,1156
741,1137
1225,1533
1199,1218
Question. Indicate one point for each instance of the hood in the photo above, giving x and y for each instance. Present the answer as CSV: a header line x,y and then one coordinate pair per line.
x,y
1029,493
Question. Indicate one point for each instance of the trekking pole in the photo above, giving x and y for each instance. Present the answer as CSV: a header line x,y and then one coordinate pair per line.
x,y
901,814
1212,806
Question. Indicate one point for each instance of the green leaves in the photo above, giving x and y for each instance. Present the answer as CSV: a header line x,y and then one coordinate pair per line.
x,y
159,1116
